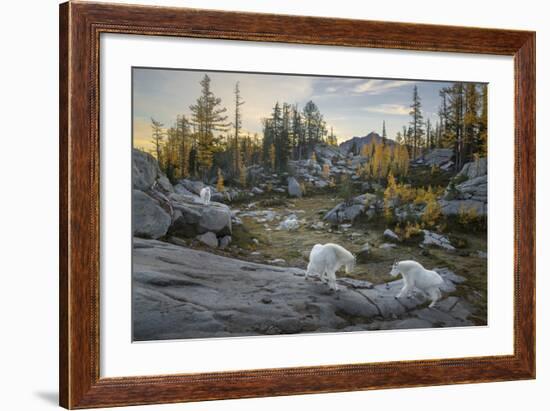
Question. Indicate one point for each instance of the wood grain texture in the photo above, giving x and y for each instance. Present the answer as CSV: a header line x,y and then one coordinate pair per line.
x,y
80,27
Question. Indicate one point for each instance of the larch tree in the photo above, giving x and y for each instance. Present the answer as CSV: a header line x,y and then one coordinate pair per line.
x,y
208,116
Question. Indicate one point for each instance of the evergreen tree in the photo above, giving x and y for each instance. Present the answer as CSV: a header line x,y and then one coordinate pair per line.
x,y
429,135
184,136
482,127
314,125
416,121
208,117
471,123
157,137
237,125
455,122
297,134
331,138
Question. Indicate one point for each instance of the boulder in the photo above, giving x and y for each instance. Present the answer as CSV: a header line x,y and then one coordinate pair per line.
x,y
343,212
438,240
180,189
470,194
208,239
438,156
149,219
389,234
474,169
349,211
191,217
145,171
294,189
225,241
215,217
475,187
192,186
257,190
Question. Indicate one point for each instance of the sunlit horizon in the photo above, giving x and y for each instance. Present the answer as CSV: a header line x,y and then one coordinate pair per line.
x,y
350,106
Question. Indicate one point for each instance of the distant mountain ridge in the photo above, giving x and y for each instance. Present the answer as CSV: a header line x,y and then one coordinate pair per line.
x,y
359,142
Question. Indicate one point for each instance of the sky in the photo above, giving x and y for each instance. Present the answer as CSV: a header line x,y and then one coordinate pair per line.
x,y
352,106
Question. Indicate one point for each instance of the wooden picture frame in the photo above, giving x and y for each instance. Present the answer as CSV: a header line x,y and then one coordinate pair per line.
x,y
80,27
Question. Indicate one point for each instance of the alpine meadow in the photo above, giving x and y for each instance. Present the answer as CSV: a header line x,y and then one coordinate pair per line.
x,y
269,204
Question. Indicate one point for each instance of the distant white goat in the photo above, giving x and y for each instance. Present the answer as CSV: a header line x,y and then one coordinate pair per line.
x,y
205,195
325,260
414,275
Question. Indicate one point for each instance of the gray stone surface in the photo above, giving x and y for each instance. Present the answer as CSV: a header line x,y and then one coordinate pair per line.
x,y
390,235
294,189
225,241
438,156
197,218
453,207
145,170
470,194
437,240
208,239
345,212
474,169
184,293
149,219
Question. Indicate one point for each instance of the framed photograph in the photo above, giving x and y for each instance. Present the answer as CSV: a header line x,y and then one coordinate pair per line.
x,y
258,205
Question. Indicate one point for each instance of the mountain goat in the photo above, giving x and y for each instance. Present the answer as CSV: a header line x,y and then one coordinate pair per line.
x,y
205,195
415,275
325,260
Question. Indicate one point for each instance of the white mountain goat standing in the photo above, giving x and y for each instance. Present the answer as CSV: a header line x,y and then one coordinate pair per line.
x,y
325,260
414,275
205,195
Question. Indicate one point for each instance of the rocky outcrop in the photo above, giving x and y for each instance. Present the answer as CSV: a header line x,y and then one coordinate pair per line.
x,y
437,240
145,171
184,293
467,191
326,153
191,217
474,169
149,219
159,208
439,157
355,144
348,212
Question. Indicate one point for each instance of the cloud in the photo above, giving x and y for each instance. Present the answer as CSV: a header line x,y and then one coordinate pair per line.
x,y
379,86
389,109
